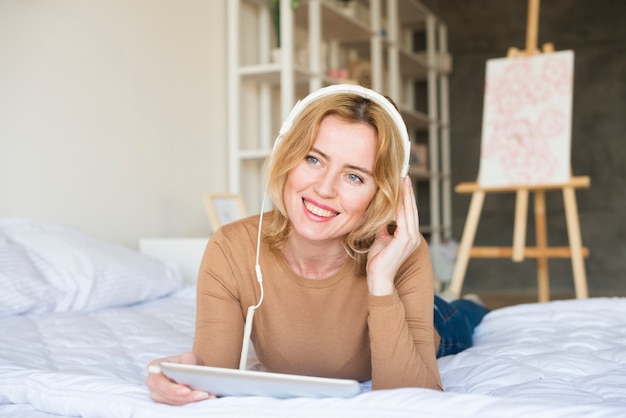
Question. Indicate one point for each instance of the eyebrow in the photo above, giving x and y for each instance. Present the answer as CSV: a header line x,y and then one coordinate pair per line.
x,y
353,167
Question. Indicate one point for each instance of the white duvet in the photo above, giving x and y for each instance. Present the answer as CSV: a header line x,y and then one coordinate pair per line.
x,y
560,359
80,319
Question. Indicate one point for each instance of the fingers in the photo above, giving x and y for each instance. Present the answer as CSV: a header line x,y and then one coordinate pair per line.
x,y
164,390
414,216
187,358
407,215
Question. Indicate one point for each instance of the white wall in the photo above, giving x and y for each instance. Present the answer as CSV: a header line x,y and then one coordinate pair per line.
x,y
113,114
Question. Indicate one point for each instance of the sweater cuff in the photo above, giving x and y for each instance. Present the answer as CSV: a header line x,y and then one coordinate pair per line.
x,y
382,301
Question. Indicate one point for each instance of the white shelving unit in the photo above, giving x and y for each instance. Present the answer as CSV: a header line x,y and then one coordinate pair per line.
x,y
402,43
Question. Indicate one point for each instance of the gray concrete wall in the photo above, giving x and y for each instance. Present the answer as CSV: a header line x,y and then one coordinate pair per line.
x,y
596,31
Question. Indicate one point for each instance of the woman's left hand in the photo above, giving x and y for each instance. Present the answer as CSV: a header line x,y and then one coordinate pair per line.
x,y
388,251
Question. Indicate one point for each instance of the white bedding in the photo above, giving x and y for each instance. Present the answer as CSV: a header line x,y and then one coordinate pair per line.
x,y
561,359
558,359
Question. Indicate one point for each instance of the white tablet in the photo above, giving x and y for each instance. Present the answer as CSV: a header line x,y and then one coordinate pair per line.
x,y
233,382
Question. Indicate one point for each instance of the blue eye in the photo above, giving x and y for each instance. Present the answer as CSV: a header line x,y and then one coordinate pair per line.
x,y
312,160
355,178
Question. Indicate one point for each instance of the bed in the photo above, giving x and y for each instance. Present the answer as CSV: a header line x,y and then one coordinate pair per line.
x,y
81,318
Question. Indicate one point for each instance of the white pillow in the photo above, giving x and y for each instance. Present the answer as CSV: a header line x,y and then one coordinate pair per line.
x,y
83,272
24,290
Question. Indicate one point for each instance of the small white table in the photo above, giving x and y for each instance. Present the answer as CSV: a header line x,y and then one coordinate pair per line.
x,y
185,252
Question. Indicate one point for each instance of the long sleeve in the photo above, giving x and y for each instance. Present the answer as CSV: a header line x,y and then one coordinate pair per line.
x,y
402,337
225,289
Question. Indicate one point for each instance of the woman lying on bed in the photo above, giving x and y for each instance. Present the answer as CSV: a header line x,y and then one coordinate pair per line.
x,y
344,296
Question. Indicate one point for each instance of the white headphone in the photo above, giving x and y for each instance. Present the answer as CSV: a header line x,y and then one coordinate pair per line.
x,y
364,92
284,129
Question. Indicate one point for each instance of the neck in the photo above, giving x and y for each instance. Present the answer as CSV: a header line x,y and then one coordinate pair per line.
x,y
314,260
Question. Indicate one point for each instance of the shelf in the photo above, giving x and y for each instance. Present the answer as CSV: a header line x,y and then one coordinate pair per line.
x,y
411,14
336,24
412,64
414,119
270,73
408,62
418,175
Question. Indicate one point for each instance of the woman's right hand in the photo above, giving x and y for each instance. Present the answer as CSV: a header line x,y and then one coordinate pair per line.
x,y
164,390
389,251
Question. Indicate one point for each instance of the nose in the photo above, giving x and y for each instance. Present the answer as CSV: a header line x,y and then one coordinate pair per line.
x,y
326,185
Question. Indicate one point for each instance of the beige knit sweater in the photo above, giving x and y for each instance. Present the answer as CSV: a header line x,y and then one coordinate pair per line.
x,y
330,327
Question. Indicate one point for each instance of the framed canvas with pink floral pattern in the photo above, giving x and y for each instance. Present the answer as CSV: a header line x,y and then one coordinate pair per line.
x,y
527,115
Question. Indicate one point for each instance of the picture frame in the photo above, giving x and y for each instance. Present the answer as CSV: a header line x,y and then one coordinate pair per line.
x,y
224,208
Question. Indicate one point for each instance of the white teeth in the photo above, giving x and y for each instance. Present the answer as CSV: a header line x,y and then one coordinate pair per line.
x,y
319,211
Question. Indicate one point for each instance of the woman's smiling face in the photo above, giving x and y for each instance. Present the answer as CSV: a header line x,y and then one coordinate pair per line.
x,y
327,194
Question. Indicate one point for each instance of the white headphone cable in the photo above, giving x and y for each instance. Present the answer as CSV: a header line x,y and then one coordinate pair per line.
x,y
251,309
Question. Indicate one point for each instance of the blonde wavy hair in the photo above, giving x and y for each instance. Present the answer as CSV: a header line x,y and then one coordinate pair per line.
x,y
298,142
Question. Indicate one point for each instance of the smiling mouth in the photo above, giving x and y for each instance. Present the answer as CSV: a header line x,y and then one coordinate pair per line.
x,y
319,211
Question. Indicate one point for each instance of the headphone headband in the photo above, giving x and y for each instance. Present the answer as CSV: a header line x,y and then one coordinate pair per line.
x,y
364,92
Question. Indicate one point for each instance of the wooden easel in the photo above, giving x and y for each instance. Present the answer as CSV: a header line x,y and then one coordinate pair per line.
x,y
518,252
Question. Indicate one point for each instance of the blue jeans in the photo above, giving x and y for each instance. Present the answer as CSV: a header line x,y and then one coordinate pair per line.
x,y
455,323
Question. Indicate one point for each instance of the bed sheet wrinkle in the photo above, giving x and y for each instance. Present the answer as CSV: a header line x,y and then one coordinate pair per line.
x,y
610,394
616,354
550,389
484,377
23,411
571,365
